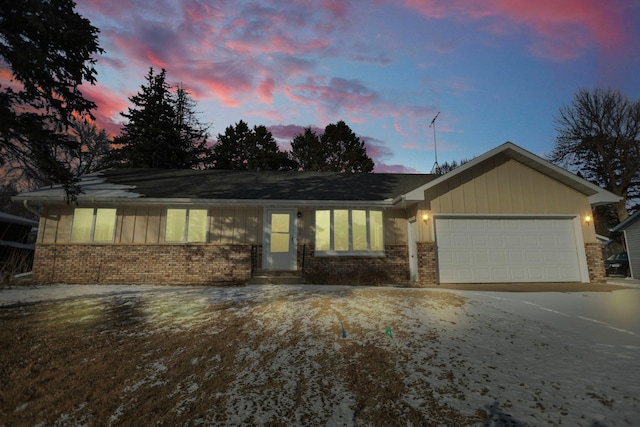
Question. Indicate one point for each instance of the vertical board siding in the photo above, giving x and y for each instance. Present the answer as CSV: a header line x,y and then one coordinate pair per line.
x,y
251,225
306,227
479,188
154,225
395,227
64,224
632,236
127,222
516,194
240,226
215,227
140,218
227,225
507,188
49,222
469,196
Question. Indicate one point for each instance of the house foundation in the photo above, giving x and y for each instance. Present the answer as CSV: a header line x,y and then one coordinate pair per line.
x,y
166,264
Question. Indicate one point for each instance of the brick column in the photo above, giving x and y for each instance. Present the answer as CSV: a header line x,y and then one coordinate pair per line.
x,y
426,263
595,263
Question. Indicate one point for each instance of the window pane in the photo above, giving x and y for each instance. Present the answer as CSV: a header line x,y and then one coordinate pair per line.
x,y
105,225
197,231
176,220
359,230
279,242
280,223
323,230
82,222
341,230
375,231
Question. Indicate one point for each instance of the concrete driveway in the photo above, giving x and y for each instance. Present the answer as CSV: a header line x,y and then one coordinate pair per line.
x,y
608,315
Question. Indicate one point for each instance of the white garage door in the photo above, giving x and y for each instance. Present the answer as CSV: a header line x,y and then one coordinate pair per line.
x,y
506,250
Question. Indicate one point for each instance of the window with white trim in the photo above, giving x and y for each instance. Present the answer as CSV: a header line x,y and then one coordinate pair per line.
x,y
186,225
93,225
349,231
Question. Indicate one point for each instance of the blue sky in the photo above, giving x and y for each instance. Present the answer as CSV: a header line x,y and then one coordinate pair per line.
x,y
496,70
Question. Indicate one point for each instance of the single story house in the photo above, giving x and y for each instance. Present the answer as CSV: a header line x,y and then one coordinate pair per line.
x,y
506,216
631,229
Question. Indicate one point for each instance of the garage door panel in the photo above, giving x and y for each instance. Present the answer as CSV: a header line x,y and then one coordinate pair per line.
x,y
473,250
517,257
498,257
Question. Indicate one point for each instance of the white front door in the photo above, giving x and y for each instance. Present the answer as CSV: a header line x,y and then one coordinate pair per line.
x,y
413,250
280,240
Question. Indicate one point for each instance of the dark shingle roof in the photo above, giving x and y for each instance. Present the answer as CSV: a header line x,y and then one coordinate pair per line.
x,y
264,185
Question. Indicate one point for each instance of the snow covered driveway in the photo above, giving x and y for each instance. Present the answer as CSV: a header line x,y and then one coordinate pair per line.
x,y
317,355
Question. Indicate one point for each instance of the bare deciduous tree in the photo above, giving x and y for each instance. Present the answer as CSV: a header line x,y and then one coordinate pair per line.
x,y
599,138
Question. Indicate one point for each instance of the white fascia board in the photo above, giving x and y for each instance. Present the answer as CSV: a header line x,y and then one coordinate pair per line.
x,y
121,201
603,198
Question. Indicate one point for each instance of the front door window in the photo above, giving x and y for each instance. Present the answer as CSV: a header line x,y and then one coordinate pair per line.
x,y
280,233
279,248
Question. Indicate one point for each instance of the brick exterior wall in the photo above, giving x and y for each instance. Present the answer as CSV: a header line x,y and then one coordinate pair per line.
x,y
227,264
392,268
167,264
595,263
427,268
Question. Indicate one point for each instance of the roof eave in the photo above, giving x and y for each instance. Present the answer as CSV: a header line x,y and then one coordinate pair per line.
x,y
217,202
603,198
626,223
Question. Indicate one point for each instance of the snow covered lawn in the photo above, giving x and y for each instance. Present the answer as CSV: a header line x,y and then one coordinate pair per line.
x,y
309,355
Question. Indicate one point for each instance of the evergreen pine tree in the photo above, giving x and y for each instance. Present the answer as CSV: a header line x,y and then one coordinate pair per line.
x,y
243,148
338,149
161,130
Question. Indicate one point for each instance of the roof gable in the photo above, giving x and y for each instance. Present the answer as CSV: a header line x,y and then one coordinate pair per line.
x,y
595,194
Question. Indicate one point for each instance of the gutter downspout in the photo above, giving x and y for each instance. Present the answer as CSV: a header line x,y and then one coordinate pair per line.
x,y
398,200
30,209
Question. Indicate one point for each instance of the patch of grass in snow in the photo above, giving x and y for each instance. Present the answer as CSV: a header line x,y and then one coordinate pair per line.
x,y
174,360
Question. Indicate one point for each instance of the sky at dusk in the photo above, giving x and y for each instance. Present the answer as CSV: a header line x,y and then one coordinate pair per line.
x,y
496,70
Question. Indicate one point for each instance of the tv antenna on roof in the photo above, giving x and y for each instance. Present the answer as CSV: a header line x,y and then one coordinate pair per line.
x,y
436,166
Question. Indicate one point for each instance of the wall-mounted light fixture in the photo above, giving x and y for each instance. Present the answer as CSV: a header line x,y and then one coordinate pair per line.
x,y
426,217
587,219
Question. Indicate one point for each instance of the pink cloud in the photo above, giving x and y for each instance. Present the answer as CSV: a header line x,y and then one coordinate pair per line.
x,y
560,29
265,90
337,9
385,168
336,95
376,149
232,51
109,105
288,132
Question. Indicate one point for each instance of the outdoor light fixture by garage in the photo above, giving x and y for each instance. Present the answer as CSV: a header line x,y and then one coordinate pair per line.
x,y
587,219
426,217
